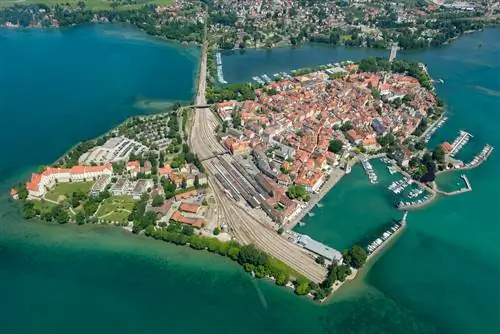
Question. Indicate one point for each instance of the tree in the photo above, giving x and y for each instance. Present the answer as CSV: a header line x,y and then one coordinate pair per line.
x,y
335,146
346,126
282,279
216,231
281,230
320,260
420,145
196,181
187,230
298,191
438,154
302,288
157,201
80,218
357,256
183,183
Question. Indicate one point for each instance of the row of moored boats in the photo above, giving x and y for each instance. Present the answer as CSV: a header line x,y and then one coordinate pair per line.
x,y
434,129
373,246
400,185
415,202
483,155
369,171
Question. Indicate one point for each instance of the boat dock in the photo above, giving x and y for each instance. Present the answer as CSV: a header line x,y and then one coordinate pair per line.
x,y
398,186
369,170
220,74
383,240
427,136
480,158
459,142
402,205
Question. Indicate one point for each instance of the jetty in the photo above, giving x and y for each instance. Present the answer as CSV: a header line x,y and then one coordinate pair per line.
x,y
459,142
220,74
367,166
383,240
480,158
433,128
408,205
465,189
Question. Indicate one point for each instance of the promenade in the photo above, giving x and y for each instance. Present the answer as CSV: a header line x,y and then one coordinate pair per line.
x,y
335,177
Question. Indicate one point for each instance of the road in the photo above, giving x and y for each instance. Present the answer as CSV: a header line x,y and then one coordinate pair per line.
x,y
242,225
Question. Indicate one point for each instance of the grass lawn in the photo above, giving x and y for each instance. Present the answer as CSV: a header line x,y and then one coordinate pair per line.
x,y
116,208
62,191
117,216
90,4
43,206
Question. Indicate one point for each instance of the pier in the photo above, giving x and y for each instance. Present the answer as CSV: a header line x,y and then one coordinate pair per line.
x,y
218,62
480,158
394,52
459,142
467,188
381,242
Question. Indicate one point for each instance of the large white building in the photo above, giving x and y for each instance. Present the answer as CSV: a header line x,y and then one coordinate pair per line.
x,y
39,183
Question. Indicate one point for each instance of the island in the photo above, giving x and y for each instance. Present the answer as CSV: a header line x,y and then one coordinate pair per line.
x,y
234,172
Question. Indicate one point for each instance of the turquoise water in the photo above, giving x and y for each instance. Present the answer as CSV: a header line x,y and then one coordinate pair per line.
x,y
441,275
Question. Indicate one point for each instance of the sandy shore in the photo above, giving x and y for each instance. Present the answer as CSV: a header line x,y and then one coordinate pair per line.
x,y
336,175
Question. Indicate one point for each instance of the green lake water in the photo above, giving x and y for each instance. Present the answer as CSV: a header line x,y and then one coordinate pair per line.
x,y
441,276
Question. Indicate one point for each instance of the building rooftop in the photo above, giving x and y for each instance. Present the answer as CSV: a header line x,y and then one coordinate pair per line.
x,y
317,247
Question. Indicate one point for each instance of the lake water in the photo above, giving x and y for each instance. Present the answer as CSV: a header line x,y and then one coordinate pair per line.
x,y
441,275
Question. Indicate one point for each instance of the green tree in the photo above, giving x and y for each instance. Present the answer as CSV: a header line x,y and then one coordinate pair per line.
x,y
157,201
302,288
187,230
320,260
80,218
216,231
335,146
358,256
438,154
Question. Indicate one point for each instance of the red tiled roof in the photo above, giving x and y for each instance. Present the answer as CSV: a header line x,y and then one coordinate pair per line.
x,y
189,207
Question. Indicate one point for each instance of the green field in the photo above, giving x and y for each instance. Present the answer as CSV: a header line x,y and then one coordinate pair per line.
x,y
90,4
62,191
43,206
116,208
